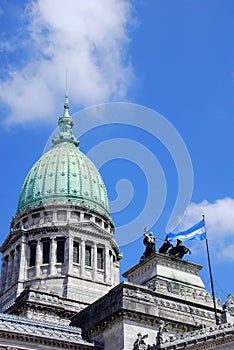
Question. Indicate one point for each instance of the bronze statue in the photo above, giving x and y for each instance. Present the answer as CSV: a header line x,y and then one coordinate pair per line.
x,y
179,250
164,248
149,242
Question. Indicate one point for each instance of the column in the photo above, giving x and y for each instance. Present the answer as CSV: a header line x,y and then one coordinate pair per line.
x,y
38,258
9,270
23,262
53,217
107,265
69,254
52,256
68,216
81,216
3,275
12,271
94,260
82,258
6,260
17,261
15,269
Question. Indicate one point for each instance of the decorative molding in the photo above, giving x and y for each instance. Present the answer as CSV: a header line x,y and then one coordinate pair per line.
x,y
181,291
181,306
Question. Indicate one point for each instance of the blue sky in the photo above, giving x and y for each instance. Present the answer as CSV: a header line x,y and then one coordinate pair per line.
x,y
174,57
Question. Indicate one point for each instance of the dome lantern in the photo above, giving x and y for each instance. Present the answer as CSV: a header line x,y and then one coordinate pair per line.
x,y
65,124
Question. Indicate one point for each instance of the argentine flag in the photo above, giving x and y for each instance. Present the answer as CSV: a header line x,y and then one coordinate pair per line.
x,y
196,232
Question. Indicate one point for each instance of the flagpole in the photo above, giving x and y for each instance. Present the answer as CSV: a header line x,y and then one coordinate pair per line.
x,y
211,277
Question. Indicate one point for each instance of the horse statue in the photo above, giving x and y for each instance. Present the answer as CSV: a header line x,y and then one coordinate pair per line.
x,y
164,248
179,250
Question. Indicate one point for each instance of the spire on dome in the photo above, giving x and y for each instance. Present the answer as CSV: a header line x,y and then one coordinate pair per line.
x,y
65,124
66,104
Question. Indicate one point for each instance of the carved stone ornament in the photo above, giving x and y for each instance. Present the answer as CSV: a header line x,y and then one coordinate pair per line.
x,y
229,305
160,338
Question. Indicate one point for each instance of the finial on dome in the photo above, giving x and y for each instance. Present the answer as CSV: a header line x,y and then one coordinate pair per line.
x,y
66,104
65,125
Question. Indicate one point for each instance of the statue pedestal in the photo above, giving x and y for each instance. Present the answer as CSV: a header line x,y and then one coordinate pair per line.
x,y
170,276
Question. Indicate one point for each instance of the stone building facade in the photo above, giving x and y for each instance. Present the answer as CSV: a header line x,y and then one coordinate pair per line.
x,y
60,271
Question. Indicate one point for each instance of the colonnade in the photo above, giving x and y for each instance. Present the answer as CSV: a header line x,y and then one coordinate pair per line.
x,y
17,261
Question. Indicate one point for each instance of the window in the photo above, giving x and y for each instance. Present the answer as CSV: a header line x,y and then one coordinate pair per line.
x,y
32,254
100,258
17,225
46,252
25,220
87,255
105,225
75,215
98,221
60,251
62,215
76,252
48,216
87,216
36,218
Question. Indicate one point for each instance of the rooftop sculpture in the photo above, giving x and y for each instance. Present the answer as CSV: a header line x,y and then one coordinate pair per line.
x,y
167,247
149,242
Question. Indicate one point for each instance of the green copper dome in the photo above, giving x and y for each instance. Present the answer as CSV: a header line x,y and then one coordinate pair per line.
x,y
64,175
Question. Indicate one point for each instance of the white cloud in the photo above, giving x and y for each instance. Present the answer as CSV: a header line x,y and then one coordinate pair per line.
x,y
87,38
219,217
